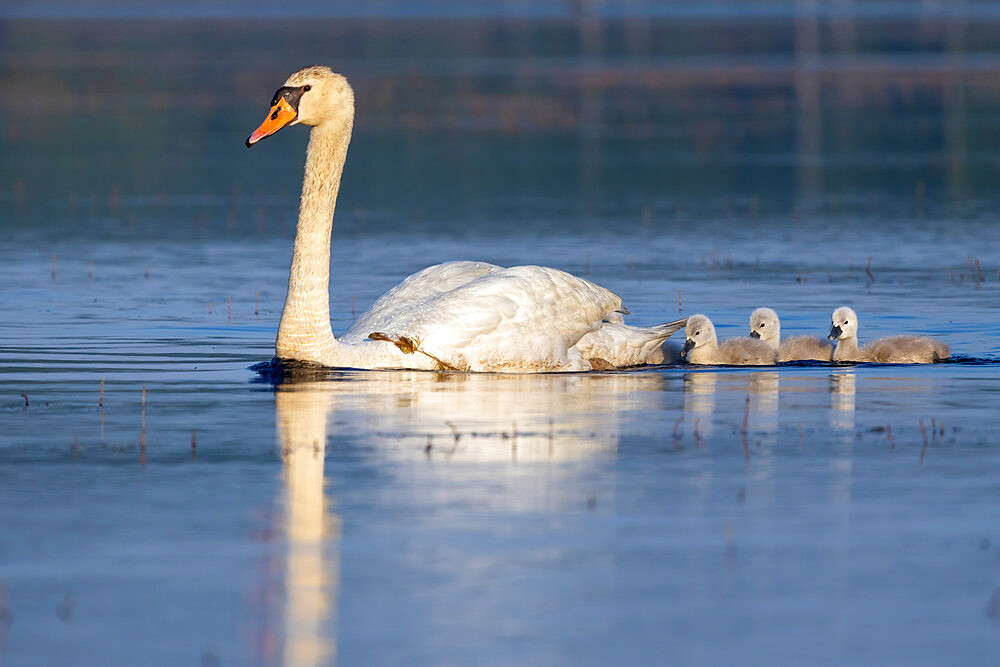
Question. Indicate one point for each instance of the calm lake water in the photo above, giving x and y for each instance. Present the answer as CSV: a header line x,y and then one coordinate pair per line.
x,y
198,511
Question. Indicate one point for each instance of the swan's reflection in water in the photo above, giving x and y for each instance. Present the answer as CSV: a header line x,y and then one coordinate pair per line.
x,y
435,418
441,416
312,569
489,417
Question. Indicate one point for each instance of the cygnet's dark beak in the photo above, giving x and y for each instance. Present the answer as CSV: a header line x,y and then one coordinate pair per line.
x,y
834,333
754,334
688,346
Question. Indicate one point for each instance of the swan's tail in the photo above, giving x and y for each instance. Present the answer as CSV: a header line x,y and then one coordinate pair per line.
x,y
668,329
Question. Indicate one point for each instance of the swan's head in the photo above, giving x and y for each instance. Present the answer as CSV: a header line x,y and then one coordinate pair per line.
x,y
311,96
764,324
699,331
844,324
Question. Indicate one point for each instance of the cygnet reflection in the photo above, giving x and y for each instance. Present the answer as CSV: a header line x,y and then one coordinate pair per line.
x,y
763,414
699,402
755,394
842,390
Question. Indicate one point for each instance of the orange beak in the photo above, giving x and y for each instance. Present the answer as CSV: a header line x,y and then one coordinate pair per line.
x,y
280,115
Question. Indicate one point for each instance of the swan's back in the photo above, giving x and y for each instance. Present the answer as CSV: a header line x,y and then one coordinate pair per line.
x,y
520,318
745,352
804,348
529,299
413,294
904,350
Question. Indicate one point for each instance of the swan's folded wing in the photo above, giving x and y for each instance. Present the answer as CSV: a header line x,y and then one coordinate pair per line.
x,y
526,312
457,321
400,305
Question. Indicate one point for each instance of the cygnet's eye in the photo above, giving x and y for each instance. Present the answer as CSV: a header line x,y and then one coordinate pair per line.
x,y
845,321
697,333
306,88
763,324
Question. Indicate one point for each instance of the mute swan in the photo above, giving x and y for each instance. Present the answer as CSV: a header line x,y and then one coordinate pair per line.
x,y
702,347
458,315
889,350
765,325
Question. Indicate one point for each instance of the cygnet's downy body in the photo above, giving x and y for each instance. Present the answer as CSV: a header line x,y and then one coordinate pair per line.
x,y
702,347
888,350
765,325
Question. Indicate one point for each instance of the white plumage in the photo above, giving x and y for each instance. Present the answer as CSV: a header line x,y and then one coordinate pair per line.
x,y
458,315
414,294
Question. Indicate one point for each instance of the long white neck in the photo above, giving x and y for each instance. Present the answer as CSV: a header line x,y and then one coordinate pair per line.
x,y
304,332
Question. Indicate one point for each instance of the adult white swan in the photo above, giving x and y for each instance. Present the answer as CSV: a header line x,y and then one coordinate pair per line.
x,y
458,315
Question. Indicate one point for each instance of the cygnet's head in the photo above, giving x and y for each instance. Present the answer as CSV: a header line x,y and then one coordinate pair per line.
x,y
844,324
699,331
764,324
310,96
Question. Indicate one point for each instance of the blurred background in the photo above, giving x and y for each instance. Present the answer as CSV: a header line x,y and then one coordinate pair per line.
x,y
493,117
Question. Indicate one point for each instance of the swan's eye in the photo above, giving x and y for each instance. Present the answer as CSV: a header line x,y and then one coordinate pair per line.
x,y
763,324
697,333
306,88
845,321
